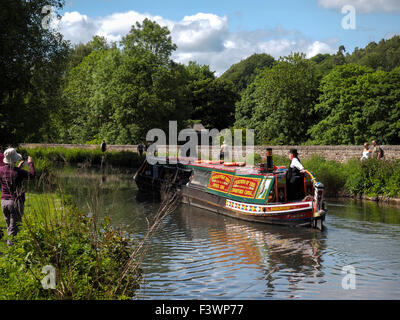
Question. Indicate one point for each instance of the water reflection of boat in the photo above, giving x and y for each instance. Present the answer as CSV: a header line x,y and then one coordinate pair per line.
x,y
293,254
247,193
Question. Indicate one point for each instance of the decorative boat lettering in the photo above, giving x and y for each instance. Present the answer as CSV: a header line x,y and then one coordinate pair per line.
x,y
244,187
220,182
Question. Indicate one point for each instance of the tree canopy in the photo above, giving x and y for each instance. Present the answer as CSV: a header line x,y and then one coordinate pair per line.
x,y
32,64
279,105
121,94
244,72
358,105
51,91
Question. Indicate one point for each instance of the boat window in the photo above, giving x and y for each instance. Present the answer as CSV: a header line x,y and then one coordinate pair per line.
x,y
201,177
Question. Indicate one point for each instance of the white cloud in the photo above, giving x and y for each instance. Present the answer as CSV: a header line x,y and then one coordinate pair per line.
x,y
77,27
201,32
203,37
318,47
364,6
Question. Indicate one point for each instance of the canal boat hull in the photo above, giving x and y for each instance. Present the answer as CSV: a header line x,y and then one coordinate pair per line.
x,y
298,213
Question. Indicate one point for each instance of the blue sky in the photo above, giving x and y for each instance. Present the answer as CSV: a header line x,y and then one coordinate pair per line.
x,y
222,32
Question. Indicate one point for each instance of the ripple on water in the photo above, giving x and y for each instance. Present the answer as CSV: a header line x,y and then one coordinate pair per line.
x,y
197,254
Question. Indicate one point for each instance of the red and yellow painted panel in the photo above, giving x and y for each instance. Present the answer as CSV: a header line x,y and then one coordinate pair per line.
x,y
281,208
220,182
268,209
254,189
244,187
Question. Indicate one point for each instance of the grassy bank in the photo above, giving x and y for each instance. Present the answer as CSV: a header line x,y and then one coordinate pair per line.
x,y
88,256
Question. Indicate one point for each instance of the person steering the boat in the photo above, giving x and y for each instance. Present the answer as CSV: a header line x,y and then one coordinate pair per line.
x,y
295,177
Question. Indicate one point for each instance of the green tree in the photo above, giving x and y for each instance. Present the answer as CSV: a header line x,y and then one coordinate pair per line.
x,y
149,36
121,94
384,55
358,105
78,52
211,100
30,62
244,72
245,108
281,101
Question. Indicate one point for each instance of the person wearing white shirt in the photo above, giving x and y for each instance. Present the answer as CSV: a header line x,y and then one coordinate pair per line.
x,y
295,177
295,163
366,152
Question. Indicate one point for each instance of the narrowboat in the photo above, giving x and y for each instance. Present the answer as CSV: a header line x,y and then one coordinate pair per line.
x,y
251,193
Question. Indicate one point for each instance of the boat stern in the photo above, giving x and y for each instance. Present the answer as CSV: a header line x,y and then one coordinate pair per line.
x,y
319,210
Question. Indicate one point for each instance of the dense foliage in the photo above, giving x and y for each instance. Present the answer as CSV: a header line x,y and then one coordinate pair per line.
x,y
279,105
356,105
52,91
328,99
32,64
243,73
88,256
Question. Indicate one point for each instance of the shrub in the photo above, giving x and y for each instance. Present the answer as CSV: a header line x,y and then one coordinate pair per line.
x,y
354,179
88,257
330,173
253,158
393,185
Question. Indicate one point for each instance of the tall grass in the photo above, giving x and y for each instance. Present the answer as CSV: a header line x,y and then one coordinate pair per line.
x,y
87,255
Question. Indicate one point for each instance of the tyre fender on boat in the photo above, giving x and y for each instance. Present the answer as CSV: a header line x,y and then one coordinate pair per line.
x,y
230,164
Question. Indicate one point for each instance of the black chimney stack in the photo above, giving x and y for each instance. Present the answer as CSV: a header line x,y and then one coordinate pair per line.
x,y
270,164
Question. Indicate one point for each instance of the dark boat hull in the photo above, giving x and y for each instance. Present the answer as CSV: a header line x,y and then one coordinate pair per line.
x,y
303,216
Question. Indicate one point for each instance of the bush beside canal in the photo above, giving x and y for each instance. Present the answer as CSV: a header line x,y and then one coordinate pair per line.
x,y
88,256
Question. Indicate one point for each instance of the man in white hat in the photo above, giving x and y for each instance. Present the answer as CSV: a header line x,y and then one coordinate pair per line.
x,y
12,189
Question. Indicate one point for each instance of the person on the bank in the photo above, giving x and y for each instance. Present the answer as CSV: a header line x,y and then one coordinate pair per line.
x,y
1,157
366,152
103,146
223,153
140,149
12,189
295,177
376,151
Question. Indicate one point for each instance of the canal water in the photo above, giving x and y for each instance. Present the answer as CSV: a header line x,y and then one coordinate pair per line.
x,y
197,254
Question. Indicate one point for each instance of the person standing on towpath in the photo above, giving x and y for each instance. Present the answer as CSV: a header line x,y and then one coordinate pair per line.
x,y
12,189
103,146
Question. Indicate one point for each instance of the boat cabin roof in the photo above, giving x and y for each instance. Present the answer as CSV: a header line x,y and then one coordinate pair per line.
x,y
238,169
